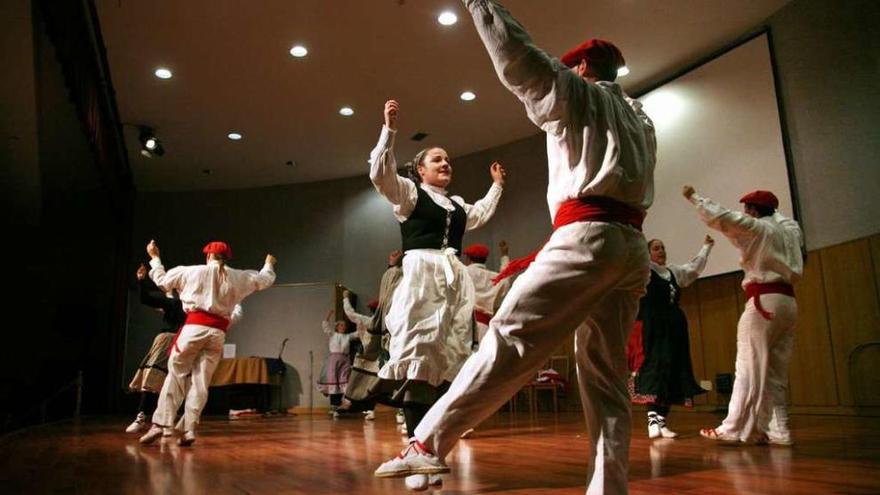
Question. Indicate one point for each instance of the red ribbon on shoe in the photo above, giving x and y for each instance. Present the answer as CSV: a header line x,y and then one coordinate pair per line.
x,y
586,209
755,289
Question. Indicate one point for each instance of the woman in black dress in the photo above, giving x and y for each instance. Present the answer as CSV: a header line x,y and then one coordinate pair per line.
x,y
153,369
659,350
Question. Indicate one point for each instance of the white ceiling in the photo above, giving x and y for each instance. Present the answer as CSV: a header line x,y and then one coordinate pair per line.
x,y
232,71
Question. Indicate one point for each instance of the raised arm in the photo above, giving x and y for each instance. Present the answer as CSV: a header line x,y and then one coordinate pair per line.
x,y
399,191
545,86
263,279
237,314
736,226
148,294
327,325
504,249
358,319
480,212
164,280
688,273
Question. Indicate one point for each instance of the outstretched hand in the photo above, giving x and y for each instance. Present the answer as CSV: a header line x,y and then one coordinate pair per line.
x,y
709,240
688,192
503,247
271,260
329,314
496,170
391,110
153,249
142,272
346,294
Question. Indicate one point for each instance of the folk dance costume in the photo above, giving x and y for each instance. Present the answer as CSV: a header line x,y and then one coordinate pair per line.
x,y
589,276
365,388
209,294
365,367
337,367
771,257
153,369
658,352
432,307
487,295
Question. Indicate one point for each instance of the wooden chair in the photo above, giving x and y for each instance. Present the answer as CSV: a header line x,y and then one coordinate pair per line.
x,y
561,365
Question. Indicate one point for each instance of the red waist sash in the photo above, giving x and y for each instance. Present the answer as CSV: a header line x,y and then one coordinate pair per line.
x,y
482,317
587,209
755,289
199,317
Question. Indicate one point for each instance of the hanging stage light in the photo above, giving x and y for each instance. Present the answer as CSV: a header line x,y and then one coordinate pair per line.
x,y
150,144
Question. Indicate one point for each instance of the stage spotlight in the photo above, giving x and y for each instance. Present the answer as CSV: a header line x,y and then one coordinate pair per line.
x,y
150,144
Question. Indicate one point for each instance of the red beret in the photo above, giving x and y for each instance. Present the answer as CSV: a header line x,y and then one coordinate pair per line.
x,y
761,198
602,57
218,247
477,251
373,304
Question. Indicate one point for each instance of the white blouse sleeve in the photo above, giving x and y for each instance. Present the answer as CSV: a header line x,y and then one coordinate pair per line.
x,y
688,273
358,319
740,228
480,212
399,191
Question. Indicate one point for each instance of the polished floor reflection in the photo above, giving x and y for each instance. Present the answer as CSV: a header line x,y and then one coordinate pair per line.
x,y
520,454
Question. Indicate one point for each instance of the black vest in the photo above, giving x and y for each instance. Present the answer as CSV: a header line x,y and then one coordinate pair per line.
x,y
430,226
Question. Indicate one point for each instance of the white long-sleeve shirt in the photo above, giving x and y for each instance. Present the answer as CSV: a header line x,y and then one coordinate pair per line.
x,y
362,322
210,289
488,296
687,273
338,342
770,247
599,141
401,192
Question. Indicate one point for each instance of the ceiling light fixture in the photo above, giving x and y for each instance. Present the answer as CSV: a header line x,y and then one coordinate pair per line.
x,y
468,96
447,18
150,144
163,73
234,136
299,51
622,71
346,111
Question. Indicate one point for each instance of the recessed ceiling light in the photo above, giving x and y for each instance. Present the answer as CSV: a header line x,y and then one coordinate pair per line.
x,y
468,96
150,143
299,51
346,111
622,71
163,73
235,136
447,18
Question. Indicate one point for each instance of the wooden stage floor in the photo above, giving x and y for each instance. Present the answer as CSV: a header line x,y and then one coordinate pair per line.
x,y
519,454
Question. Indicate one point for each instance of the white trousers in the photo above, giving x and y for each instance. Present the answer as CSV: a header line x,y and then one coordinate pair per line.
x,y
189,375
588,278
763,351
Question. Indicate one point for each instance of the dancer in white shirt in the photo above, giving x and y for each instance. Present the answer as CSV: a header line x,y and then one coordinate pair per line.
x,y
589,276
209,294
431,310
771,256
659,350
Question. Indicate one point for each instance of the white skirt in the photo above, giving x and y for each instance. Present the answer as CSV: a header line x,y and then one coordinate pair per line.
x,y
431,318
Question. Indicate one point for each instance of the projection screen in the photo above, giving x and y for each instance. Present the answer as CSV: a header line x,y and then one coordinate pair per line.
x,y
718,129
